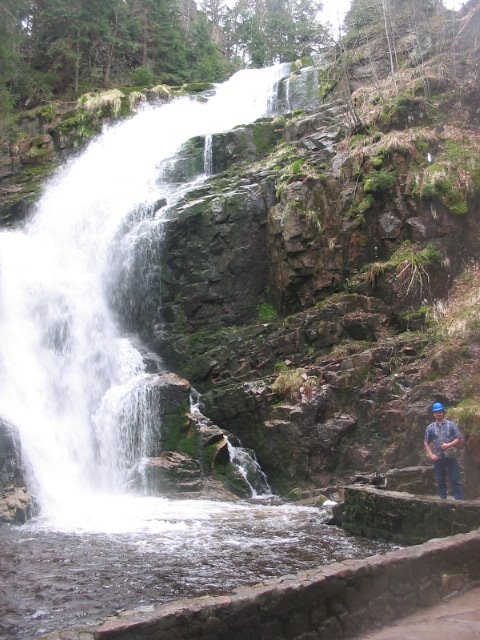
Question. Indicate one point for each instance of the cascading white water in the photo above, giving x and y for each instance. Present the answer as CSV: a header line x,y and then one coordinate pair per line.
x,y
242,459
76,388
208,155
250,470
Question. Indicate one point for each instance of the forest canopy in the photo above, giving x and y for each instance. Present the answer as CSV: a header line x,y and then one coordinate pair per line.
x,y
61,49
51,48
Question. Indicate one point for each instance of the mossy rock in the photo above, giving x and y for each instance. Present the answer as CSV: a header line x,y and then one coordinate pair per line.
x,y
160,92
265,136
439,184
188,162
379,182
405,110
180,435
232,480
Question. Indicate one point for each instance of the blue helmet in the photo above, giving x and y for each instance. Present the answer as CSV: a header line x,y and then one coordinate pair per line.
x,y
437,406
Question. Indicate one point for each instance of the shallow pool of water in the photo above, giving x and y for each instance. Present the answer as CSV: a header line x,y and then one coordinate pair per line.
x,y
58,573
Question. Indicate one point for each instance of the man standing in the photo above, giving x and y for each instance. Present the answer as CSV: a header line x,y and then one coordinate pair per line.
x,y
442,439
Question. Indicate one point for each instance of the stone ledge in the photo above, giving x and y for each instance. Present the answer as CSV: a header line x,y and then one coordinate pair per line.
x,y
333,602
406,518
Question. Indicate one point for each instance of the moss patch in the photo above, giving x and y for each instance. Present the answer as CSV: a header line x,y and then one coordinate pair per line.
x,y
266,312
180,437
380,181
440,183
266,135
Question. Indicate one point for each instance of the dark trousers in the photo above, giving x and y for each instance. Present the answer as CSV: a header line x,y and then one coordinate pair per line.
x,y
442,467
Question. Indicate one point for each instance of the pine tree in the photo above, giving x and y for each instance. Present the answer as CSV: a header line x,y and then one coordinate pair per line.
x,y
11,65
161,45
205,61
268,31
309,33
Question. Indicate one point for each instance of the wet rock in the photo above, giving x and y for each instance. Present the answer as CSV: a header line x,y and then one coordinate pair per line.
x,y
214,260
16,502
171,472
11,466
16,505
245,143
294,441
159,204
167,397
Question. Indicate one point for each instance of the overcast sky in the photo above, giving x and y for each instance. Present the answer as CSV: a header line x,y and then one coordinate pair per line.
x,y
334,11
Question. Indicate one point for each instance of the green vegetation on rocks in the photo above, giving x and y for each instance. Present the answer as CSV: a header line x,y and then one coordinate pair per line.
x,y
180,435
403,110
410,264
379,181
467,414
439,183
292,382
266,312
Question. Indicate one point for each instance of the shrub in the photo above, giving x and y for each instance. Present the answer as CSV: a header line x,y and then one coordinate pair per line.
x,y
410,266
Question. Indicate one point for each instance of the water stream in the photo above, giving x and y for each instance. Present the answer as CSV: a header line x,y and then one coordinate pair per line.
x,y
77,388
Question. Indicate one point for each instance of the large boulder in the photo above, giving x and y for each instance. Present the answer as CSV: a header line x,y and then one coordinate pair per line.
x,y
172,472
245,143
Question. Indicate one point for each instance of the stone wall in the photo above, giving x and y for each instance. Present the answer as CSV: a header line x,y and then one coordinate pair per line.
x,y
330,603
405,518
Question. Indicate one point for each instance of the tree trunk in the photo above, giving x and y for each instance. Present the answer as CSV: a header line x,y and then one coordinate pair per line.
x,y
77,61
110,52
145,39
389,41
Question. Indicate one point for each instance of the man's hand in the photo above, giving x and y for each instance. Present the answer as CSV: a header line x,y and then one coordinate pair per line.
x,y
454,443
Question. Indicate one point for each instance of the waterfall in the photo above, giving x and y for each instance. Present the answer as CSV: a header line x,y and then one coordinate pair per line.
x,y
71,382
287,94
208,155
243,460
249,469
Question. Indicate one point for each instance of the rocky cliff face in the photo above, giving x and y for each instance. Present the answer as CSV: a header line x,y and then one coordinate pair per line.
x,y
298,289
